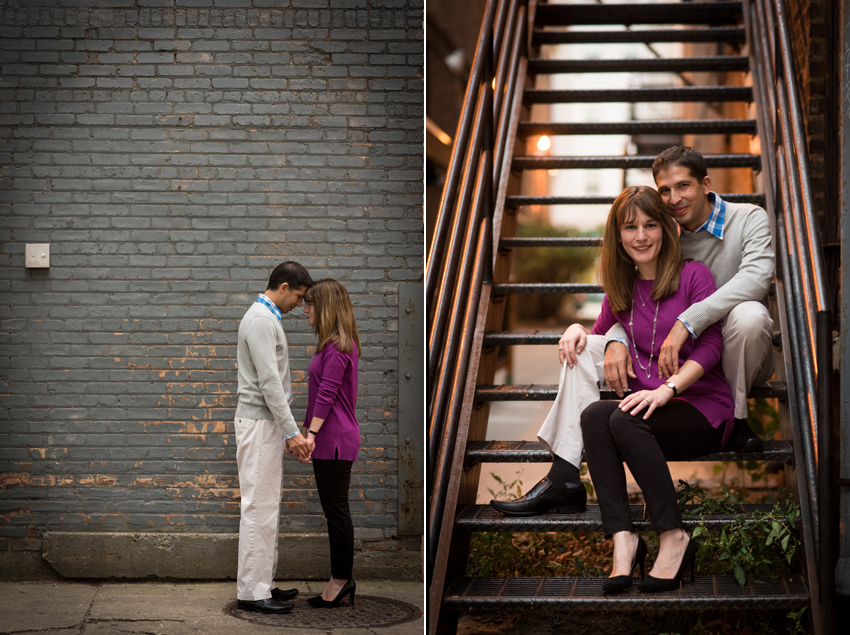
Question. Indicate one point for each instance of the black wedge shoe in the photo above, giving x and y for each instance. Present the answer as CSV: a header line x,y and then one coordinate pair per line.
x,y
546,497
619,583
657,585
347,589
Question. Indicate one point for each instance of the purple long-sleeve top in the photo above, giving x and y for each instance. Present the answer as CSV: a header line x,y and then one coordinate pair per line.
x,y
710,394
332,396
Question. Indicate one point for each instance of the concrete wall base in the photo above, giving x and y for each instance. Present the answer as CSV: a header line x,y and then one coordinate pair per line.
x,y
197,556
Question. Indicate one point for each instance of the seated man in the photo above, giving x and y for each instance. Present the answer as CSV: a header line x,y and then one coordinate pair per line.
x,y
733,240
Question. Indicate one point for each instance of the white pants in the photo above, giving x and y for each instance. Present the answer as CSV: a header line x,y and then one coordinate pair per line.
x,y
259,458
747,362
747,351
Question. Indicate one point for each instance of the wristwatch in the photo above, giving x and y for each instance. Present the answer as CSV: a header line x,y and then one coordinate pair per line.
x,y
672,387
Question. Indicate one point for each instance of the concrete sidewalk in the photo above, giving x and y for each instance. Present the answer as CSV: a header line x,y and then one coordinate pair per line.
x,y
175,608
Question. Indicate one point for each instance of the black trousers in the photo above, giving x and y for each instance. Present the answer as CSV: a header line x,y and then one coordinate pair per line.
x,y
676,432
333,478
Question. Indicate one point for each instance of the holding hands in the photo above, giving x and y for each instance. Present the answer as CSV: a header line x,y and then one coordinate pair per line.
x,y
301,447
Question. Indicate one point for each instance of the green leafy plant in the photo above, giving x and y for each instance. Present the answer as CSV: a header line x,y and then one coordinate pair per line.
x,y
763,543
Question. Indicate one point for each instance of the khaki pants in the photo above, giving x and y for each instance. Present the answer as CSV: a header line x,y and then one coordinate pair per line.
x,y
259,458
747,362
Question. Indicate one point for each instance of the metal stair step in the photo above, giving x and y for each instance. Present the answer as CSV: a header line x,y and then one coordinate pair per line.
x,y
550,241
585,594
485,518
669,13
627,162
733,35
651,65
548,392
534,338
533,452
517,201
639,95
525,288
681,126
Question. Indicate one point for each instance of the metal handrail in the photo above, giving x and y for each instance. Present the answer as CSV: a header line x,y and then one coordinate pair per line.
x,y
808,315
460,261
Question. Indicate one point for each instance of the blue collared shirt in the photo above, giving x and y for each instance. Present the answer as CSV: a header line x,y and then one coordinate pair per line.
x,y
264,299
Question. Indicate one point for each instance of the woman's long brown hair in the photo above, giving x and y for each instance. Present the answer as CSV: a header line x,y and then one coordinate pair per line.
x,y
617,270
333,317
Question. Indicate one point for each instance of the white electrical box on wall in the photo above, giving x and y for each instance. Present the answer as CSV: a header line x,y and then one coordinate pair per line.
x,y
38,256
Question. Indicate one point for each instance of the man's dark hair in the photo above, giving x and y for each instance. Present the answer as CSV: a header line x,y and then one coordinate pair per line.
x,y
681,155
292,273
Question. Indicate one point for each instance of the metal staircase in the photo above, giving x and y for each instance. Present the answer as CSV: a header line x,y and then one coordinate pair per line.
x,y
468,271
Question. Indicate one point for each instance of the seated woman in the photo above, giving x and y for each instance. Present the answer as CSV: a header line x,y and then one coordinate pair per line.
x,y
682,417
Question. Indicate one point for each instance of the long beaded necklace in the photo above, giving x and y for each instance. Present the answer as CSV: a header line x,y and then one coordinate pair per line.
x,y
648,368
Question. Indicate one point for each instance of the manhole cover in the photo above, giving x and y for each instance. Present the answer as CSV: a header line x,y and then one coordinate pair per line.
x,y
368,611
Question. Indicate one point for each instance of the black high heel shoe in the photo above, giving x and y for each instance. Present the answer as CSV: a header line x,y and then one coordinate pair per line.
x,y
656,585
619,583
347,589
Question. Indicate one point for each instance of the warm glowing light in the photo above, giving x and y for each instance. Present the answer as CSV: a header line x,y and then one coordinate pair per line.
x,y
438,132
494,83
543,143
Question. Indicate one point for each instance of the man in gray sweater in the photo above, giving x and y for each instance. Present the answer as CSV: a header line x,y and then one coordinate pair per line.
x,y
733,240
264,426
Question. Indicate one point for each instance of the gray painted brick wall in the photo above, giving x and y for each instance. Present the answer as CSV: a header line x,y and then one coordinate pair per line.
x,y
172,152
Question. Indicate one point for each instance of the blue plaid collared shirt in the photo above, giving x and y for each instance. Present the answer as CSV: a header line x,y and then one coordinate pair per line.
x,y
717,219
263,299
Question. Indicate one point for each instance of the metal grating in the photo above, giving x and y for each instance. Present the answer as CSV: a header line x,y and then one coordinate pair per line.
x,y
545,287
639,95
367,612
667,13
548,392
731,34
515,338
629,162
663,65
585,594
681,126
517,201
485,518
533,452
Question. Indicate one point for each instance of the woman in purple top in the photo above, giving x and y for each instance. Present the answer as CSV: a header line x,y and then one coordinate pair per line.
x,y
685,416
331,425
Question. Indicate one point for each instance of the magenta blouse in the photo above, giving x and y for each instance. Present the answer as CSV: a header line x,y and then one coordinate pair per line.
x,y
332,396
710,394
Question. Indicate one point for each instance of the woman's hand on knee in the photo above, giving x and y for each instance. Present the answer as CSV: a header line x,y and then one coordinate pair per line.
x,y
646,400
571,344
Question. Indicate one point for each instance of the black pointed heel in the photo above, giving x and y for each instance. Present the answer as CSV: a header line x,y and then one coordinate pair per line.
x,y
347,589
657,585
620,583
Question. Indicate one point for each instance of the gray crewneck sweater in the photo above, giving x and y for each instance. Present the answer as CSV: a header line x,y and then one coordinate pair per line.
x,y
742,264
262,357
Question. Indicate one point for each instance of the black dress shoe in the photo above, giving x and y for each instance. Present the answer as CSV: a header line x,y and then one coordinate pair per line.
x,y
280,594
743,439
545,497
269,605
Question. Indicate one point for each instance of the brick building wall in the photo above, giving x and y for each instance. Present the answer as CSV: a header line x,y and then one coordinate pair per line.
x,y
172,152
